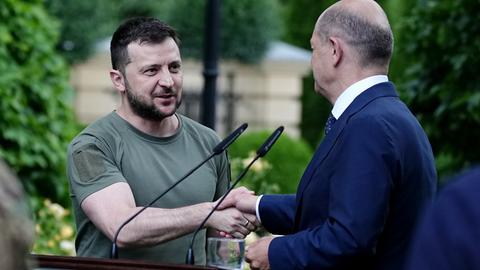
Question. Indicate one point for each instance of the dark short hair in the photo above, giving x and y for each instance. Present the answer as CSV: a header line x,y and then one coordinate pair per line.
x,y
140,29
373,42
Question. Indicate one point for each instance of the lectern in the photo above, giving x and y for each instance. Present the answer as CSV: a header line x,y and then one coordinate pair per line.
x,y
45,262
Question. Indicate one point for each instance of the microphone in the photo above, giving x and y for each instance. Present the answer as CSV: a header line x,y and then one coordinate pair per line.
x,y
262,151
229,140
218,149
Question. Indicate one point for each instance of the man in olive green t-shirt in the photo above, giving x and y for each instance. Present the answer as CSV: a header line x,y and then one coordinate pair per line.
x,y
126,159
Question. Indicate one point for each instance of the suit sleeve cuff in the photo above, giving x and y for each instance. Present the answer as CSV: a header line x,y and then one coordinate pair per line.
x,y
257,212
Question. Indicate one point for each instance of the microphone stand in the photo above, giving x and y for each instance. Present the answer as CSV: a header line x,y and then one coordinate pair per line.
x,y
267,145
216,151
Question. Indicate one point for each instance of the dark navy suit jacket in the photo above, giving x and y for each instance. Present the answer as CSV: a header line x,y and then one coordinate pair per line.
x,y
359,198
449,236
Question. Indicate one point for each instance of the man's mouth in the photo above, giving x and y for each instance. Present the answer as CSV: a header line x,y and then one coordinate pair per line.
x,y
165,96
165,100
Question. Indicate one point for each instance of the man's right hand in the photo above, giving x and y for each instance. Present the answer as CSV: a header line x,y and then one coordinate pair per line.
x,y
242,199
232,222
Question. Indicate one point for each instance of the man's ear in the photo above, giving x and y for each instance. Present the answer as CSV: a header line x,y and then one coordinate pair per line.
x,y
337,50
117,79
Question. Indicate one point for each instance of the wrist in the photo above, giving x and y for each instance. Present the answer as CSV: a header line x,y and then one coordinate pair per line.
x,y
208,208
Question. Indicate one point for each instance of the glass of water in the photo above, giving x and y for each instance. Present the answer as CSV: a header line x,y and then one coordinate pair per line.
x,y
225,253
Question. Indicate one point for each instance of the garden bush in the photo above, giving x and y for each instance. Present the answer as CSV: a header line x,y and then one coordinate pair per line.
x,y
54,231
36,119
279,171
441,86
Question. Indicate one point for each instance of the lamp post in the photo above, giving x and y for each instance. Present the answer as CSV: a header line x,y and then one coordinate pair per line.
x,y
210,63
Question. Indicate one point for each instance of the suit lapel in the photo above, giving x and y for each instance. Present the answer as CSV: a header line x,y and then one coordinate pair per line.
x,y
377,91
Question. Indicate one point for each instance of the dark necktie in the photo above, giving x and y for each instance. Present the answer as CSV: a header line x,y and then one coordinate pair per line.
x,y
330,121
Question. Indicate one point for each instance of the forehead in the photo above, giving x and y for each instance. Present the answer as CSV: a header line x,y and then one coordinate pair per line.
x,y
315,39
154,53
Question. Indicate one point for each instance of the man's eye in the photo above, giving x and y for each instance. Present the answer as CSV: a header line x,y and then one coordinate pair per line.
x,y
175,68
150,71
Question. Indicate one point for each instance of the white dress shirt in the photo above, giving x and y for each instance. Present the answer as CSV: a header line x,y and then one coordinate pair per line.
x,y
353,91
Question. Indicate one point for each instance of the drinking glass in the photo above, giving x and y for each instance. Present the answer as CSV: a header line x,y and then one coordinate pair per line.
x,y
225,253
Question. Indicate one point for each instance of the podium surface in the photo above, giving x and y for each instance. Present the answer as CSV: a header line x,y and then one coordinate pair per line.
x,y
45,262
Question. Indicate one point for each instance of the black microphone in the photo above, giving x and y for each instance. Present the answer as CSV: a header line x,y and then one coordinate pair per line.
x,y
262,151
218,149
229,140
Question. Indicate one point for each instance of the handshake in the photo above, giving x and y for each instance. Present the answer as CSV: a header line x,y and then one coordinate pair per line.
x,y
236,215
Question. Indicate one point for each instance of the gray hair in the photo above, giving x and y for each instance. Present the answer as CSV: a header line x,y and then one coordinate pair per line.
x,y
373,42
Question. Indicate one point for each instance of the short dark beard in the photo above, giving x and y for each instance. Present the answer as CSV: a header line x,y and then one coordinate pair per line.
x,y
145,110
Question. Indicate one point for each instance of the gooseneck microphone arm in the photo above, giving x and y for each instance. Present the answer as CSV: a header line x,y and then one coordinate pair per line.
x,y
218,149
262,151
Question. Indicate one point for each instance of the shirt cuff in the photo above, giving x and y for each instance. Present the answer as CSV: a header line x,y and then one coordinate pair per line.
x,y
257,204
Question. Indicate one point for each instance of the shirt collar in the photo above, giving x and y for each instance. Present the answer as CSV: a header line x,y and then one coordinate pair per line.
x,y
353,91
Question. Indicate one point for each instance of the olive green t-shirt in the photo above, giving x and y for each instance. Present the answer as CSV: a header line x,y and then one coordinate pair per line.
x,y
111,150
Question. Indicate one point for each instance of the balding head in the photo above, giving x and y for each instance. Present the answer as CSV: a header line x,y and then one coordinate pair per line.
x,y
363,25
366,9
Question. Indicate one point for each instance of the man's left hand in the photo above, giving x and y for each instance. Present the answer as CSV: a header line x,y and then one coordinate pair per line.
x,y
257,254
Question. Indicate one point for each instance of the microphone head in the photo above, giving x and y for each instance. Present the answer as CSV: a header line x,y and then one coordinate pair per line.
x,y
229,140
262,151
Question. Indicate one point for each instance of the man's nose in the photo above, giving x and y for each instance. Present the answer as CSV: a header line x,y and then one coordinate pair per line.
x,y
165,79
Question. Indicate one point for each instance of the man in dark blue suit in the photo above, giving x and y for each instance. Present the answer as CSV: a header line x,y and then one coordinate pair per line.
x,y
449,236
360,197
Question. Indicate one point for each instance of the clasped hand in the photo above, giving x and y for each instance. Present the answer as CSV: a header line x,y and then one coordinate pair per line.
x,y
232,221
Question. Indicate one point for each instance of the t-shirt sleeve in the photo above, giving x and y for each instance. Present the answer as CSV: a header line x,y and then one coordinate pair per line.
x,y
91,167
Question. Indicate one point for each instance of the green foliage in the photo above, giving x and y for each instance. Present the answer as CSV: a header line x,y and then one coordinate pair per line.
x,y
396,11
124,9
256,175
441,86
190,27
300,18
36,122
281,169
315,111
84,23
53,229
246,27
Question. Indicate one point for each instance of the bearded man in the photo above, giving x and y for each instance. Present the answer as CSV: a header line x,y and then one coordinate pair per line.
x,y
126,159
